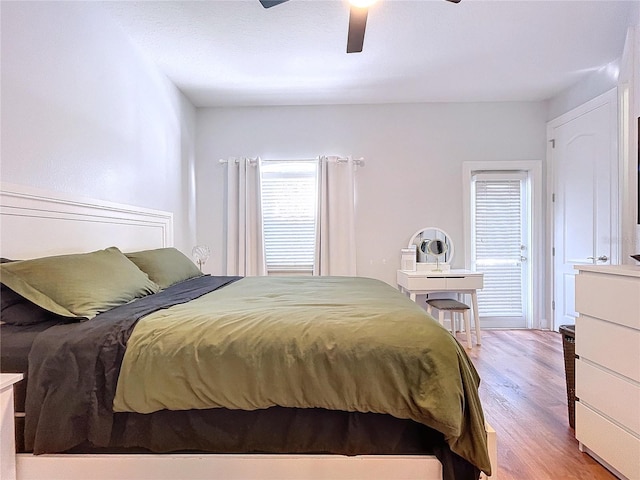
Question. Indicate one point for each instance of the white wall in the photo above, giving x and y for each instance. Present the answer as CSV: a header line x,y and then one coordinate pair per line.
x,y
630,163
594,84
413,154
635,139
623,73
83,113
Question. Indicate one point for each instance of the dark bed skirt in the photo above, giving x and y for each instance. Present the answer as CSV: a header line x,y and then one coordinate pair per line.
x,y
274,430
280,430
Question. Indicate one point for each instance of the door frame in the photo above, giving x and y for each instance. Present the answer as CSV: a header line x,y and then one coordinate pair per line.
x,y
608,98
536,250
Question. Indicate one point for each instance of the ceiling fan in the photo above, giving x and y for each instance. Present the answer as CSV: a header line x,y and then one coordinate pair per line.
x,y
357,20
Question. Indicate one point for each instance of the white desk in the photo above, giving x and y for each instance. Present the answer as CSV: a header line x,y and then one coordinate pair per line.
x,y
462,282
7,429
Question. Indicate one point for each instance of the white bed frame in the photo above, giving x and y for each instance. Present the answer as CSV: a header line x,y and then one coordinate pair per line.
x,y
35,223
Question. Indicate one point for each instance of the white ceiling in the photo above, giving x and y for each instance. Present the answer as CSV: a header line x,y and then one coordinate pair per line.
x,y
235,52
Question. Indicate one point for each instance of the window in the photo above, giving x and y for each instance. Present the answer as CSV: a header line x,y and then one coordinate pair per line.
x,y
289,206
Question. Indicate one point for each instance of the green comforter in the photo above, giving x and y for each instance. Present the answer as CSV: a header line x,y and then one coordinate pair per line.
x,y
340,343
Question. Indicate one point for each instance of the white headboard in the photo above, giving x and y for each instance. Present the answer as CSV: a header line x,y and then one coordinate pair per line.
x,y
36,223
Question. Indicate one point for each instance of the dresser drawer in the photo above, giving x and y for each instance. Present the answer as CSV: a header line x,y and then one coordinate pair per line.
x,y
613,346
464,283
612,395
609,297
614,445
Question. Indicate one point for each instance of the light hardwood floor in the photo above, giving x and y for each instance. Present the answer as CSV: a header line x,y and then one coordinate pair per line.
x,y
523,394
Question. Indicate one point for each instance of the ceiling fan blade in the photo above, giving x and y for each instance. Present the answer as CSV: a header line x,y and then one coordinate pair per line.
x,y
357,25
454,1
271,3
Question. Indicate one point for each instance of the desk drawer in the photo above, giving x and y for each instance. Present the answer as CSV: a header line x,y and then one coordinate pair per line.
x,y
423,283
464,283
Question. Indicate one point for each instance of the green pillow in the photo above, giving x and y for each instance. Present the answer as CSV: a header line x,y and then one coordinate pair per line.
x,y
165,266
80,285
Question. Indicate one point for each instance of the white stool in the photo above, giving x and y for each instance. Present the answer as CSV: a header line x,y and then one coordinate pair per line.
x,y
453,307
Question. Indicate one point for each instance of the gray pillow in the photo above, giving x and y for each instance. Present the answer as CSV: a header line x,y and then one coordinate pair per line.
x,y
17,310
165,266
80,285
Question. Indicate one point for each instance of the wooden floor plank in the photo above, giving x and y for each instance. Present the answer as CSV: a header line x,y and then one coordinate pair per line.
x,y
523,392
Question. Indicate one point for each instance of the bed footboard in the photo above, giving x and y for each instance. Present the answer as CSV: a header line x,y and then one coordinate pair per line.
x,y
237,467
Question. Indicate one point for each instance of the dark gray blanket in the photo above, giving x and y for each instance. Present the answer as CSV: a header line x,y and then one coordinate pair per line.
x,y
74,368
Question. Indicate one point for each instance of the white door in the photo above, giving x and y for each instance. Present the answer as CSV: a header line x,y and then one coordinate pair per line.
x,y
500,242
584,162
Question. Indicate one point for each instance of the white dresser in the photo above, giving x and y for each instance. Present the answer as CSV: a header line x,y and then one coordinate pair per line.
x,y
608,366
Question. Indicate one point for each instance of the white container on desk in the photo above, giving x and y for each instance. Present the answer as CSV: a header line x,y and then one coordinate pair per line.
x,y
408,259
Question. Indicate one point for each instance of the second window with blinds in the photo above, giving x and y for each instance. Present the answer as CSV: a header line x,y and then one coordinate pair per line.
x,y
289,212
500,231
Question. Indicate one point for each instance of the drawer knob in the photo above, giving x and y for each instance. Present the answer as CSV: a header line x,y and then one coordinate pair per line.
x,y
601,258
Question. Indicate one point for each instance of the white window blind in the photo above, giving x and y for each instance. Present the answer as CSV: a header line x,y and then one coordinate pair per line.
x,y
289,198
498,241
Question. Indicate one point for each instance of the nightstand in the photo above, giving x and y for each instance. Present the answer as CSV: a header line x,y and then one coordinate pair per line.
x,y
7,426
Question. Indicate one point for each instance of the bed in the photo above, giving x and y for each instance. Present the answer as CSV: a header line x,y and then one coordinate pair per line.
x,y
344,384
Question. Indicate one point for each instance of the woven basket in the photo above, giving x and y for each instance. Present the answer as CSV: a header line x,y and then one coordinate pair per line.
x,y
568,333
